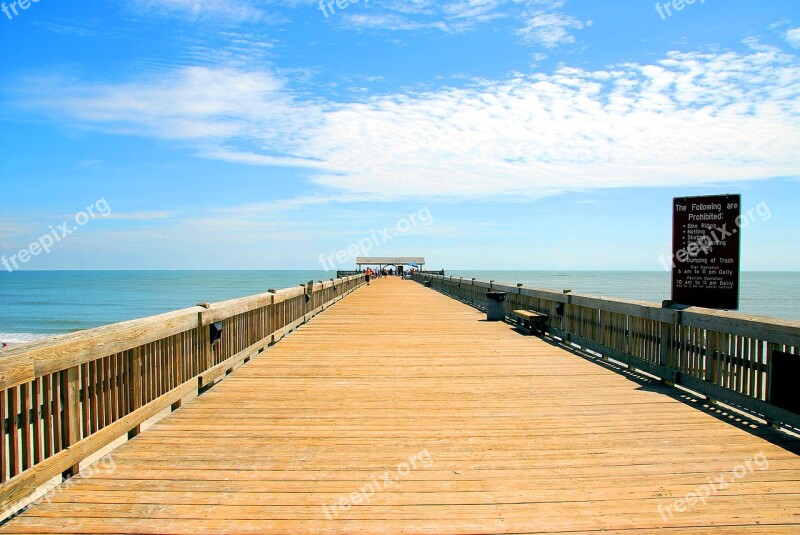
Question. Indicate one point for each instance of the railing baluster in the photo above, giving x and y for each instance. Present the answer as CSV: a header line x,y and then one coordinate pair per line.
x,y
58,437
3,435
72,412
25,425
47,415
38,450
135,370
13,434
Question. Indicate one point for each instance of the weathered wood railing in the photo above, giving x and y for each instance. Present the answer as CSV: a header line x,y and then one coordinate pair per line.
x,y
65,398
731,357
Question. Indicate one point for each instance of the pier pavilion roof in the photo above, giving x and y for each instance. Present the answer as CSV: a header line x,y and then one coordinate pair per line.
x,y
390,260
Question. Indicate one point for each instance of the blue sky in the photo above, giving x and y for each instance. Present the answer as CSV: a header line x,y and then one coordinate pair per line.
x,y
531,134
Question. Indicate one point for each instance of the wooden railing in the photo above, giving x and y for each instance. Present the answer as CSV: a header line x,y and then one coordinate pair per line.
x,y
735,358
65,398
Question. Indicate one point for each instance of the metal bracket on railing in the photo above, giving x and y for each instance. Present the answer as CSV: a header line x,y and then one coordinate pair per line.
x,y
215,332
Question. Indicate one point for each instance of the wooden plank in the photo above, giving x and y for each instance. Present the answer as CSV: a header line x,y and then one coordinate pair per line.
x,y
86,420
47,414
134,385
396,369
72,413
288,294
15,369
3,448
25,426
234,307
114,388
529,314
94,409
108,417
58,437
13,432
774,330
38,450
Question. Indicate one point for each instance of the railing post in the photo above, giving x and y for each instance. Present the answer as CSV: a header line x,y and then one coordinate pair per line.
x,y
135,375
668,342
206,355
711,357
665,342
178,374
71,424
771,349
273,316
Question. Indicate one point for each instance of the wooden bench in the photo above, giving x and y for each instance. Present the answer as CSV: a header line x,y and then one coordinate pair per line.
x,y
533,321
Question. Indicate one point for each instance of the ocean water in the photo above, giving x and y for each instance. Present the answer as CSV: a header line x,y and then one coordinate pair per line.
x,y
763,293
34,304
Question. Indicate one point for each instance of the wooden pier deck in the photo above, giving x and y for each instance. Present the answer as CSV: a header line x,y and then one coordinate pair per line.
x,y
399,410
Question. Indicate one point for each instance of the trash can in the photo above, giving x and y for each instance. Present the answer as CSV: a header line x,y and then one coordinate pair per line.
x,y
427,284
495,306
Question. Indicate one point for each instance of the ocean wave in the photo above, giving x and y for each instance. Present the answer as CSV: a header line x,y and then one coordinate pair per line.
x,y
13,339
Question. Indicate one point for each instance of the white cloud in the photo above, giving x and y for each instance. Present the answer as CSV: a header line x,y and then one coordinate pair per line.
x,y
549,29
478,10
139,216
396,22
238,11
687,119
201,104
793,37
544,24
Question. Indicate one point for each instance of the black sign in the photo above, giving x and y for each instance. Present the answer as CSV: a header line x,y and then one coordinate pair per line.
x,y
705,251
783,389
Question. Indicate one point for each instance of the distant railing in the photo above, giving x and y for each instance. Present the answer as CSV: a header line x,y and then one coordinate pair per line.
x,y
65,398
348,273
746,361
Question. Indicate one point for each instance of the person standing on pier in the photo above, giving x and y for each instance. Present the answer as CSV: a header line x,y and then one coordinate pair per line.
x,y
367,274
